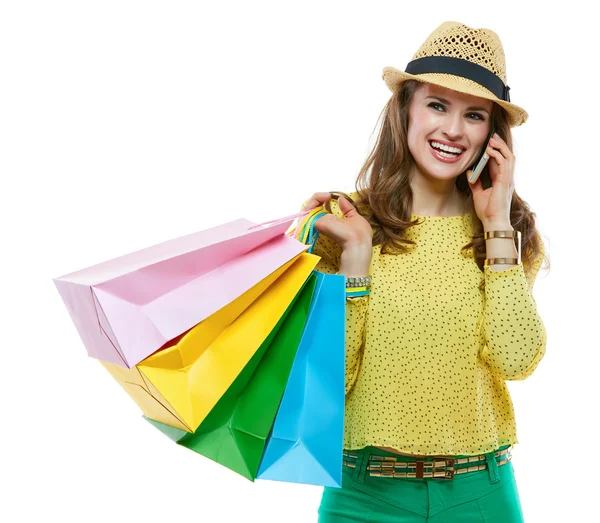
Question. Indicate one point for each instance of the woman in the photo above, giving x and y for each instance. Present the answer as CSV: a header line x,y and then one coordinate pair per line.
x,y
445,315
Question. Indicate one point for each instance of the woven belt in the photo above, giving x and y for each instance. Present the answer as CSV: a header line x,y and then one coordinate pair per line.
x,y
434,467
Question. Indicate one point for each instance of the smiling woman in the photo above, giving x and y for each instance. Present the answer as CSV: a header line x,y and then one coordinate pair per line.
x,y
431,341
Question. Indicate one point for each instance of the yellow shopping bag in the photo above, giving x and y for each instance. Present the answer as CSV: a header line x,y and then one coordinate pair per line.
x,y
180,384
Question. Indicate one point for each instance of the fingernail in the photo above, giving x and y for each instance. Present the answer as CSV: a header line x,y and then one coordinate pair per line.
x,y
496,135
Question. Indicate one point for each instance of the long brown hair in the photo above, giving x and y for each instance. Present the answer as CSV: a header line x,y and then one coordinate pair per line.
x,y
385,196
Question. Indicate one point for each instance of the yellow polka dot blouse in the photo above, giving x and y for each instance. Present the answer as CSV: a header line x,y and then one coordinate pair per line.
x,y
427,352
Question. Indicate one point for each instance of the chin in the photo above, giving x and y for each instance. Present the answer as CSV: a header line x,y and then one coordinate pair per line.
x,y
443,172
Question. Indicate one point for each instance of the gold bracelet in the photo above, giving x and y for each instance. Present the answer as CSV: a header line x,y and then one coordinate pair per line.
x,y
503,234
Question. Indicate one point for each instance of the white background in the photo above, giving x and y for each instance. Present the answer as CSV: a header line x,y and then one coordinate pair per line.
x,y
125,124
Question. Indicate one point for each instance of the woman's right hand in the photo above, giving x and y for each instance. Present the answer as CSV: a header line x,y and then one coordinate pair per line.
x,y
352,232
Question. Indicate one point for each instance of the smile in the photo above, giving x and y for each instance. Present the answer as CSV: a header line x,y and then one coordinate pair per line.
x,y
444,156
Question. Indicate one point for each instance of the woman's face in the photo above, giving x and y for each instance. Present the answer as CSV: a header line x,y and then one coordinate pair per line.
x,y
458,120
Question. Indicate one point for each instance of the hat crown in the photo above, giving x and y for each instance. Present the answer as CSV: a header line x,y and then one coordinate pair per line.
x,y
477,45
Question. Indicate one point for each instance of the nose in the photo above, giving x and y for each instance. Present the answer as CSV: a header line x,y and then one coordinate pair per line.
x,y
453,128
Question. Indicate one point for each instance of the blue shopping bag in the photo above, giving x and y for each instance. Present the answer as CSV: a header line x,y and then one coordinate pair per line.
x,y
306,442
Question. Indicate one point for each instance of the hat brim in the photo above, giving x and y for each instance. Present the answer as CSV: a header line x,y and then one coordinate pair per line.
x,y
394,77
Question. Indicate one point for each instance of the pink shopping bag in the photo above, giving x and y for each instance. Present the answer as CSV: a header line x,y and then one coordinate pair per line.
x,y
127,308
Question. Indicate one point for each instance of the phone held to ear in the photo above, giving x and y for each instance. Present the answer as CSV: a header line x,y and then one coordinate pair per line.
x,y
482,160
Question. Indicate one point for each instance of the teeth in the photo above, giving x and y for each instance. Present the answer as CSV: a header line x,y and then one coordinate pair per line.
x,y
446,148
447,155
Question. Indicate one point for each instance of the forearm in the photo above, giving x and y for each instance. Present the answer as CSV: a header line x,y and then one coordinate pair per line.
x,y
356,314
514,332
355,261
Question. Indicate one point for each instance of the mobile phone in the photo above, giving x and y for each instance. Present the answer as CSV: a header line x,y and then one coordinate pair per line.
x,y
482,159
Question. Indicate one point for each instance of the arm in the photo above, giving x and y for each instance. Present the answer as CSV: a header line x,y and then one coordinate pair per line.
x,y
515,336
333,260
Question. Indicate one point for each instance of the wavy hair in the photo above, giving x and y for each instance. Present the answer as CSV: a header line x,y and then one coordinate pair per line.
x,y
385,196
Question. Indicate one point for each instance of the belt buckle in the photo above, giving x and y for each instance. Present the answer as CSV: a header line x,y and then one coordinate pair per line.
x,y
445,473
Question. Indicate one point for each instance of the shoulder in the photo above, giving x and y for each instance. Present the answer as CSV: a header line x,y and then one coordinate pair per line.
x,y
354,195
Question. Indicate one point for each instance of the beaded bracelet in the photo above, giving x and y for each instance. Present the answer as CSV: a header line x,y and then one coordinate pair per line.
x,y
358,281
358,286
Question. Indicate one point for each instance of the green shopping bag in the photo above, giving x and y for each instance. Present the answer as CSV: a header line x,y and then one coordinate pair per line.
x,y
235,432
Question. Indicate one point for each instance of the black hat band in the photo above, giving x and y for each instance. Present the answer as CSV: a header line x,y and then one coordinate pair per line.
x,y
460,67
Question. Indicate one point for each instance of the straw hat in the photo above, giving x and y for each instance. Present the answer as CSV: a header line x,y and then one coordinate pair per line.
x,y
464,59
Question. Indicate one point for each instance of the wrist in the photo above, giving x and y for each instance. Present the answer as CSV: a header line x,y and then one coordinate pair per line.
x,y
356,260
359,247
498,225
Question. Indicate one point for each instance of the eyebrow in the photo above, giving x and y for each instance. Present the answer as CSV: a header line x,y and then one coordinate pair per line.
x,y
472,108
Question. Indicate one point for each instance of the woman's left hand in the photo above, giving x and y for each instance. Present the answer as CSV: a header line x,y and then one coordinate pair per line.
x,y
492,205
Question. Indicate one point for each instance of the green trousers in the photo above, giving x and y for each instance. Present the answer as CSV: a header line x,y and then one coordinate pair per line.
x,y
486,496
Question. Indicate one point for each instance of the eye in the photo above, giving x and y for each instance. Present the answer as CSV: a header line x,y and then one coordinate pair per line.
x,y
478,115
432,104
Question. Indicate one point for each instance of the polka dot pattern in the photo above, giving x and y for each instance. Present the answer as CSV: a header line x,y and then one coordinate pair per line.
x,y
428,353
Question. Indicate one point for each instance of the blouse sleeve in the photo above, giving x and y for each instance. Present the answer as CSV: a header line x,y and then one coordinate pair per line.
x,y
356,308
514,334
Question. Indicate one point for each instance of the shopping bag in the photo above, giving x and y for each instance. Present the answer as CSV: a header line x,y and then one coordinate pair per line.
x,y
235,432
127,308
306,442
181,383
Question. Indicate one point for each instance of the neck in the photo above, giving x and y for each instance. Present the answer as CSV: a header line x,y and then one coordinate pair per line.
x,y
432,196
437,205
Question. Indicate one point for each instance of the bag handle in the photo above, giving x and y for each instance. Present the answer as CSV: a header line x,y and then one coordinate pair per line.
x,y
298,231
305,232
279,220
